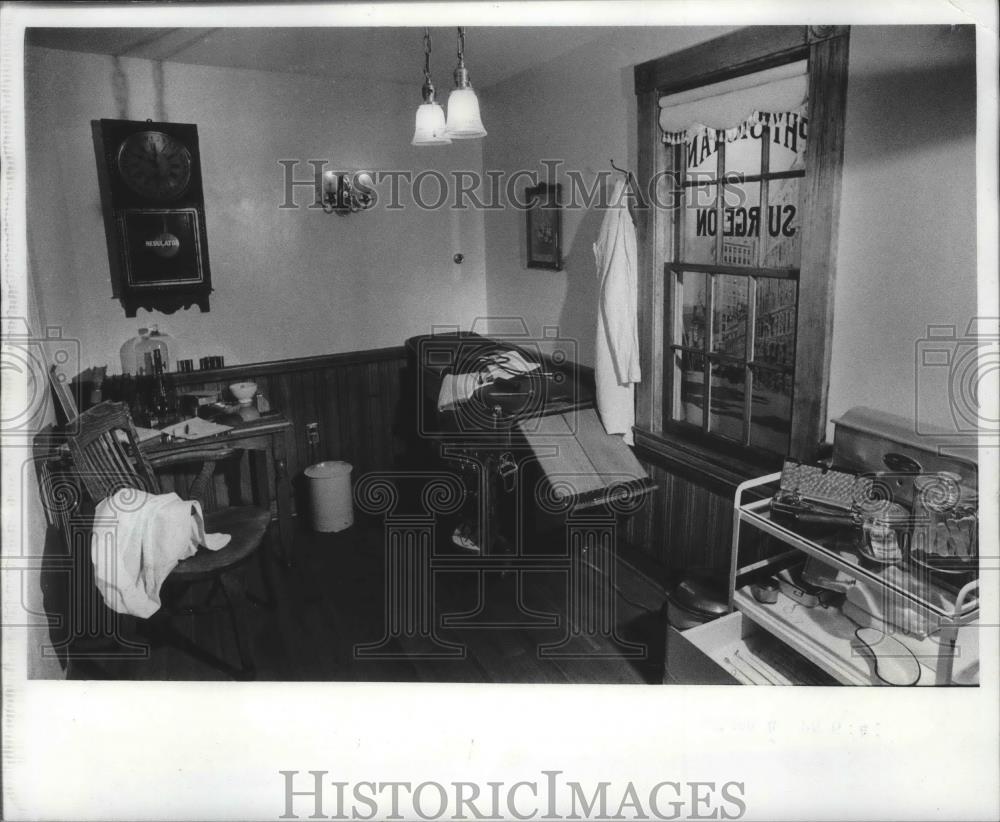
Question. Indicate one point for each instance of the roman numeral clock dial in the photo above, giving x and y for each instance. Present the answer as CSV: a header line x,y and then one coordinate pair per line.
x,y
154,165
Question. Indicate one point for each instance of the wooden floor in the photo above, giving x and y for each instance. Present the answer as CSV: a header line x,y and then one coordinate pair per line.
x,y
331,620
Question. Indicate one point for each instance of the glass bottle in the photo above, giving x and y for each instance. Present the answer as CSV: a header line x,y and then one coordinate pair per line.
x,y
163,406
167,346
144,349
130,364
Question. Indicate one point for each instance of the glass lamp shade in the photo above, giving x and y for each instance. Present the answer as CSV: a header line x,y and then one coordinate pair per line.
x,y
430,126
464,122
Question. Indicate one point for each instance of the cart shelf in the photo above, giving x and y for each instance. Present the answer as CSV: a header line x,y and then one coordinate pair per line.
x,y
947,654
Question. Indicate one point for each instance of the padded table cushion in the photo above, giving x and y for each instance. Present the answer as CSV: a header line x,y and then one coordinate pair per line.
x,y
583,462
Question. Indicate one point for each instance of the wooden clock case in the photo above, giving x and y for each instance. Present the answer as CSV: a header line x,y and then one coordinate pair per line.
x,y
154,214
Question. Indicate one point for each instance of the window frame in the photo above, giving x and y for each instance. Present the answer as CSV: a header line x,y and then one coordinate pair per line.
x,y
752,272
743,52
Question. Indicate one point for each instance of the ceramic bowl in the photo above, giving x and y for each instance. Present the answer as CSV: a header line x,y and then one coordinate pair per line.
x,y
244,391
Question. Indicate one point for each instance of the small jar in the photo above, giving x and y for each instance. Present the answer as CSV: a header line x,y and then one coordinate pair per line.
x,y
946,517
887,534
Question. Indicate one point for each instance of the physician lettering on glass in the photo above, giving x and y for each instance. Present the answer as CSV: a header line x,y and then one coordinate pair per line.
x,y
162,247
746,222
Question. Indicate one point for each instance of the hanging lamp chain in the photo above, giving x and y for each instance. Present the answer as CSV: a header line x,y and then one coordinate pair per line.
x,y
427,54
461,72
428,88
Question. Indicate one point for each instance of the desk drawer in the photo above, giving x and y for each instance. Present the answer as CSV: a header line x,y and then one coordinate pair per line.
x,y
733,650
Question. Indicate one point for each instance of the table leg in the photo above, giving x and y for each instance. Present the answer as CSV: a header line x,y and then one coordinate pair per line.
x,y
488,505
283,491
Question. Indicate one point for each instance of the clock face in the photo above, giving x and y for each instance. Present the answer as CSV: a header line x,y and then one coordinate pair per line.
x,y
154,165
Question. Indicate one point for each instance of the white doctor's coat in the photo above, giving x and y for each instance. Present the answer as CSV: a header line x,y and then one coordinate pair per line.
x,y
617,357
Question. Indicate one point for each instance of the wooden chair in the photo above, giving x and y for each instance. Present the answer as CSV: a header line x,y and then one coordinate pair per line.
x,y
66,406
106,457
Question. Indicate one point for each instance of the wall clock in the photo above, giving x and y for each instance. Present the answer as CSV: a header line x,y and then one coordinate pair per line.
x,y
155,165
154,214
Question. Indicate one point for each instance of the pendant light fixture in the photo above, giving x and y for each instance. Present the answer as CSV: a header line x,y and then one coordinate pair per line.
x,y
430,125
464,122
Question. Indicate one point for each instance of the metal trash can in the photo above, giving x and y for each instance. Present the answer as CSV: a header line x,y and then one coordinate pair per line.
x,y
696,600
330,500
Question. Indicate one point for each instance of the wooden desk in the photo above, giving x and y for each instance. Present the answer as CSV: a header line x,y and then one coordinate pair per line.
x,y
268,435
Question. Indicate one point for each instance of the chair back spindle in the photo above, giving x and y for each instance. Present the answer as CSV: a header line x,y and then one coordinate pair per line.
x,y
106,452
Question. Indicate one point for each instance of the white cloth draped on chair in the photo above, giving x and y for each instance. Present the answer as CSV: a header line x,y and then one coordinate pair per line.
x,y
138,539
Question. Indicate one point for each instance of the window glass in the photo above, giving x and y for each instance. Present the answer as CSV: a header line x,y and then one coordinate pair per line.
x,y
741,224
700,155
701,224
729,319
783,244
771,410
787,143
692,387
743,154
774,326
728,393
691,288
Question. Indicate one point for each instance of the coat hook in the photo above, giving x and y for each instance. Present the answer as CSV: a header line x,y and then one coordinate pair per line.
x,y
629,176
630,184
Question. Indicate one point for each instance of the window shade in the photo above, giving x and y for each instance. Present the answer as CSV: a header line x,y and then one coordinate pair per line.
x,y
730,105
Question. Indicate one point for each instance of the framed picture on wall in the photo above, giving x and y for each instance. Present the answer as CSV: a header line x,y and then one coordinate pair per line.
x,y
544,227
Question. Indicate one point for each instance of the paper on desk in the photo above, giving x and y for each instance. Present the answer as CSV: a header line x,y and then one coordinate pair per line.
x,y
457,388
195,428
143,434
507,364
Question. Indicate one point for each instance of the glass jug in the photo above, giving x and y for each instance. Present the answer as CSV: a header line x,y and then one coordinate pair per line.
x,y
130,364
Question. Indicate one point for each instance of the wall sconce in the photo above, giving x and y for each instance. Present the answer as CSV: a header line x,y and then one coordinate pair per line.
x,y
346,193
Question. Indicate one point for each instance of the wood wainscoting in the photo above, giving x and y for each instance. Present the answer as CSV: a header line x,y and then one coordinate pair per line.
x,y
355,398
686,526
